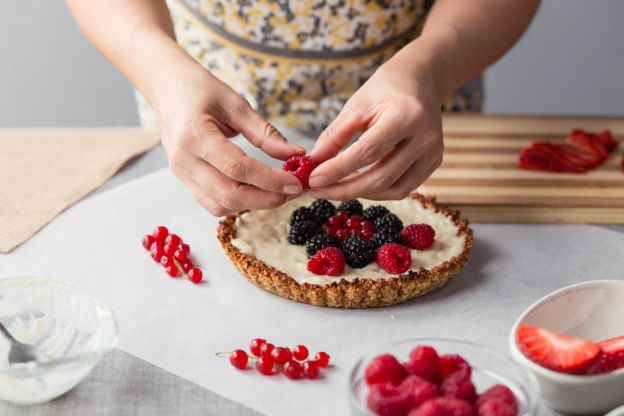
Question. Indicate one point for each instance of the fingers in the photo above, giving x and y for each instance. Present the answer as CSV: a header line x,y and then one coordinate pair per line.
x,y
372,146
411,179
221,195
260,132
213,147
337,135
378,178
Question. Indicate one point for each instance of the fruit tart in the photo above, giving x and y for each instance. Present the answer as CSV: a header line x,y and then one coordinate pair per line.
x,y
352,254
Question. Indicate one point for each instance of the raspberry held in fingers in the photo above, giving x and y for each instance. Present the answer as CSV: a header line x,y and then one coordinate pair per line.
x,y
301,167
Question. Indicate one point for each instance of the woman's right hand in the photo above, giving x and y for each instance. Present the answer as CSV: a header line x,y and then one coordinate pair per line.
x,y
197,116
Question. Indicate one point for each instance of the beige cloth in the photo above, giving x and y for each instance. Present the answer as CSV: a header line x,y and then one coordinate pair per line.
x,y
44,171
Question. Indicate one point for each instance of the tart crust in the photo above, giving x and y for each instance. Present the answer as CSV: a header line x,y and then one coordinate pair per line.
x,y
360,293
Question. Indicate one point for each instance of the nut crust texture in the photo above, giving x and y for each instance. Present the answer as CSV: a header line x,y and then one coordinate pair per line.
x,y
360,293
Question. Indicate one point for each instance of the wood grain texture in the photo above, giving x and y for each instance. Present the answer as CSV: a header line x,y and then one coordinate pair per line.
x,y
480,176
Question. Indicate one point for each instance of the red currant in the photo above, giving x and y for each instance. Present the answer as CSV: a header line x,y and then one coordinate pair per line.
x,y
367,234
169,249
174,240
300,352
195,275
172,271
311,369
292,369
184,247
342,234
354,232
157,252
255,345
187,266
329,230
147,242
367,225
239,359
266,350
281,355
264,365
180,256
167,261
322,358
354,222
160,233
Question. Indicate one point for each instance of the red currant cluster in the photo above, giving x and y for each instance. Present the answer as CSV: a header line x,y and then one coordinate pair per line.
x,y
270,359
341,225
172,253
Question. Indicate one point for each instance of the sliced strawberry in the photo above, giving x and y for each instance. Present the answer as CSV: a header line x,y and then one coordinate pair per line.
x,y
579,157
588,142
612,357
556,351
557,154
542,159
607,140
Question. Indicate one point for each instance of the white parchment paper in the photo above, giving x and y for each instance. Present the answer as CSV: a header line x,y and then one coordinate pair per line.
x,y
96,246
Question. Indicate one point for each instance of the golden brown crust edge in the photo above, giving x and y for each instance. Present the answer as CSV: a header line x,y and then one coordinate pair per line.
x,y
360,293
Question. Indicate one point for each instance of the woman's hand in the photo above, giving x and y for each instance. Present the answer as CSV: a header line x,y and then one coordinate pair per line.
x,y
400,117
197,116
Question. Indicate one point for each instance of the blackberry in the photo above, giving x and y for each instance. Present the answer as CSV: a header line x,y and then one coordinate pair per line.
x,y
300,232
358,251
352,207
319,242
322,210
373,212
389,223
302,214
385,237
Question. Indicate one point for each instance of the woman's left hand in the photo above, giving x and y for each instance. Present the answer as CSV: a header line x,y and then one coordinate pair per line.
x,y
399,116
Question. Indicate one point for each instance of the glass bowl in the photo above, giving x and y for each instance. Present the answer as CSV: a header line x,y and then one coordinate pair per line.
x,y
73,330
489,367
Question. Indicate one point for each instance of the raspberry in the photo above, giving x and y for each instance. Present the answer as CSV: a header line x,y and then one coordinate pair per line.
x,y
301,167
384,368
322,209
319,242
328,261
459,386
382,237
390,223
443,406
302,231
498,393
351,207
495,408
302,214
388,400
373,212
424,362
450,363
420,389
354,222
342,234
394,258
418,236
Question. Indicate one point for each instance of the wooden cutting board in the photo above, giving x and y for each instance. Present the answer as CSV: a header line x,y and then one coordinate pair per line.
x,y
480,177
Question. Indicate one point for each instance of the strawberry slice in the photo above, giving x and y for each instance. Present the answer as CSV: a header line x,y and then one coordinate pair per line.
x,y
612,357
607,140
543,158
588,142
555,351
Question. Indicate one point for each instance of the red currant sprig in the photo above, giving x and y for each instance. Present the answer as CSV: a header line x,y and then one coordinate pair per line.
x,y
172,253
269,359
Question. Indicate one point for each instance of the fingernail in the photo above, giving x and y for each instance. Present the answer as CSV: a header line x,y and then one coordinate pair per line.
x,y
292,189
316,194
319,181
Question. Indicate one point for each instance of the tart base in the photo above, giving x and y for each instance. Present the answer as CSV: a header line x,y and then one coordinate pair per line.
x,y
357,294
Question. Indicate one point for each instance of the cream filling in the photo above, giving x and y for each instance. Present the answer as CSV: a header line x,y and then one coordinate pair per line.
x,y
264,235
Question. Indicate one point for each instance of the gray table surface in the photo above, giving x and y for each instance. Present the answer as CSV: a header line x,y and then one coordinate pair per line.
x,y
126,385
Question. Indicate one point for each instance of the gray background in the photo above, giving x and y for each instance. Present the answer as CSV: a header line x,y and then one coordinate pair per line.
x,y
571,61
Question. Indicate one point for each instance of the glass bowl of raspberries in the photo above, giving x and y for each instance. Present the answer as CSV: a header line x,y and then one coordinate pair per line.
x,y
440,377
